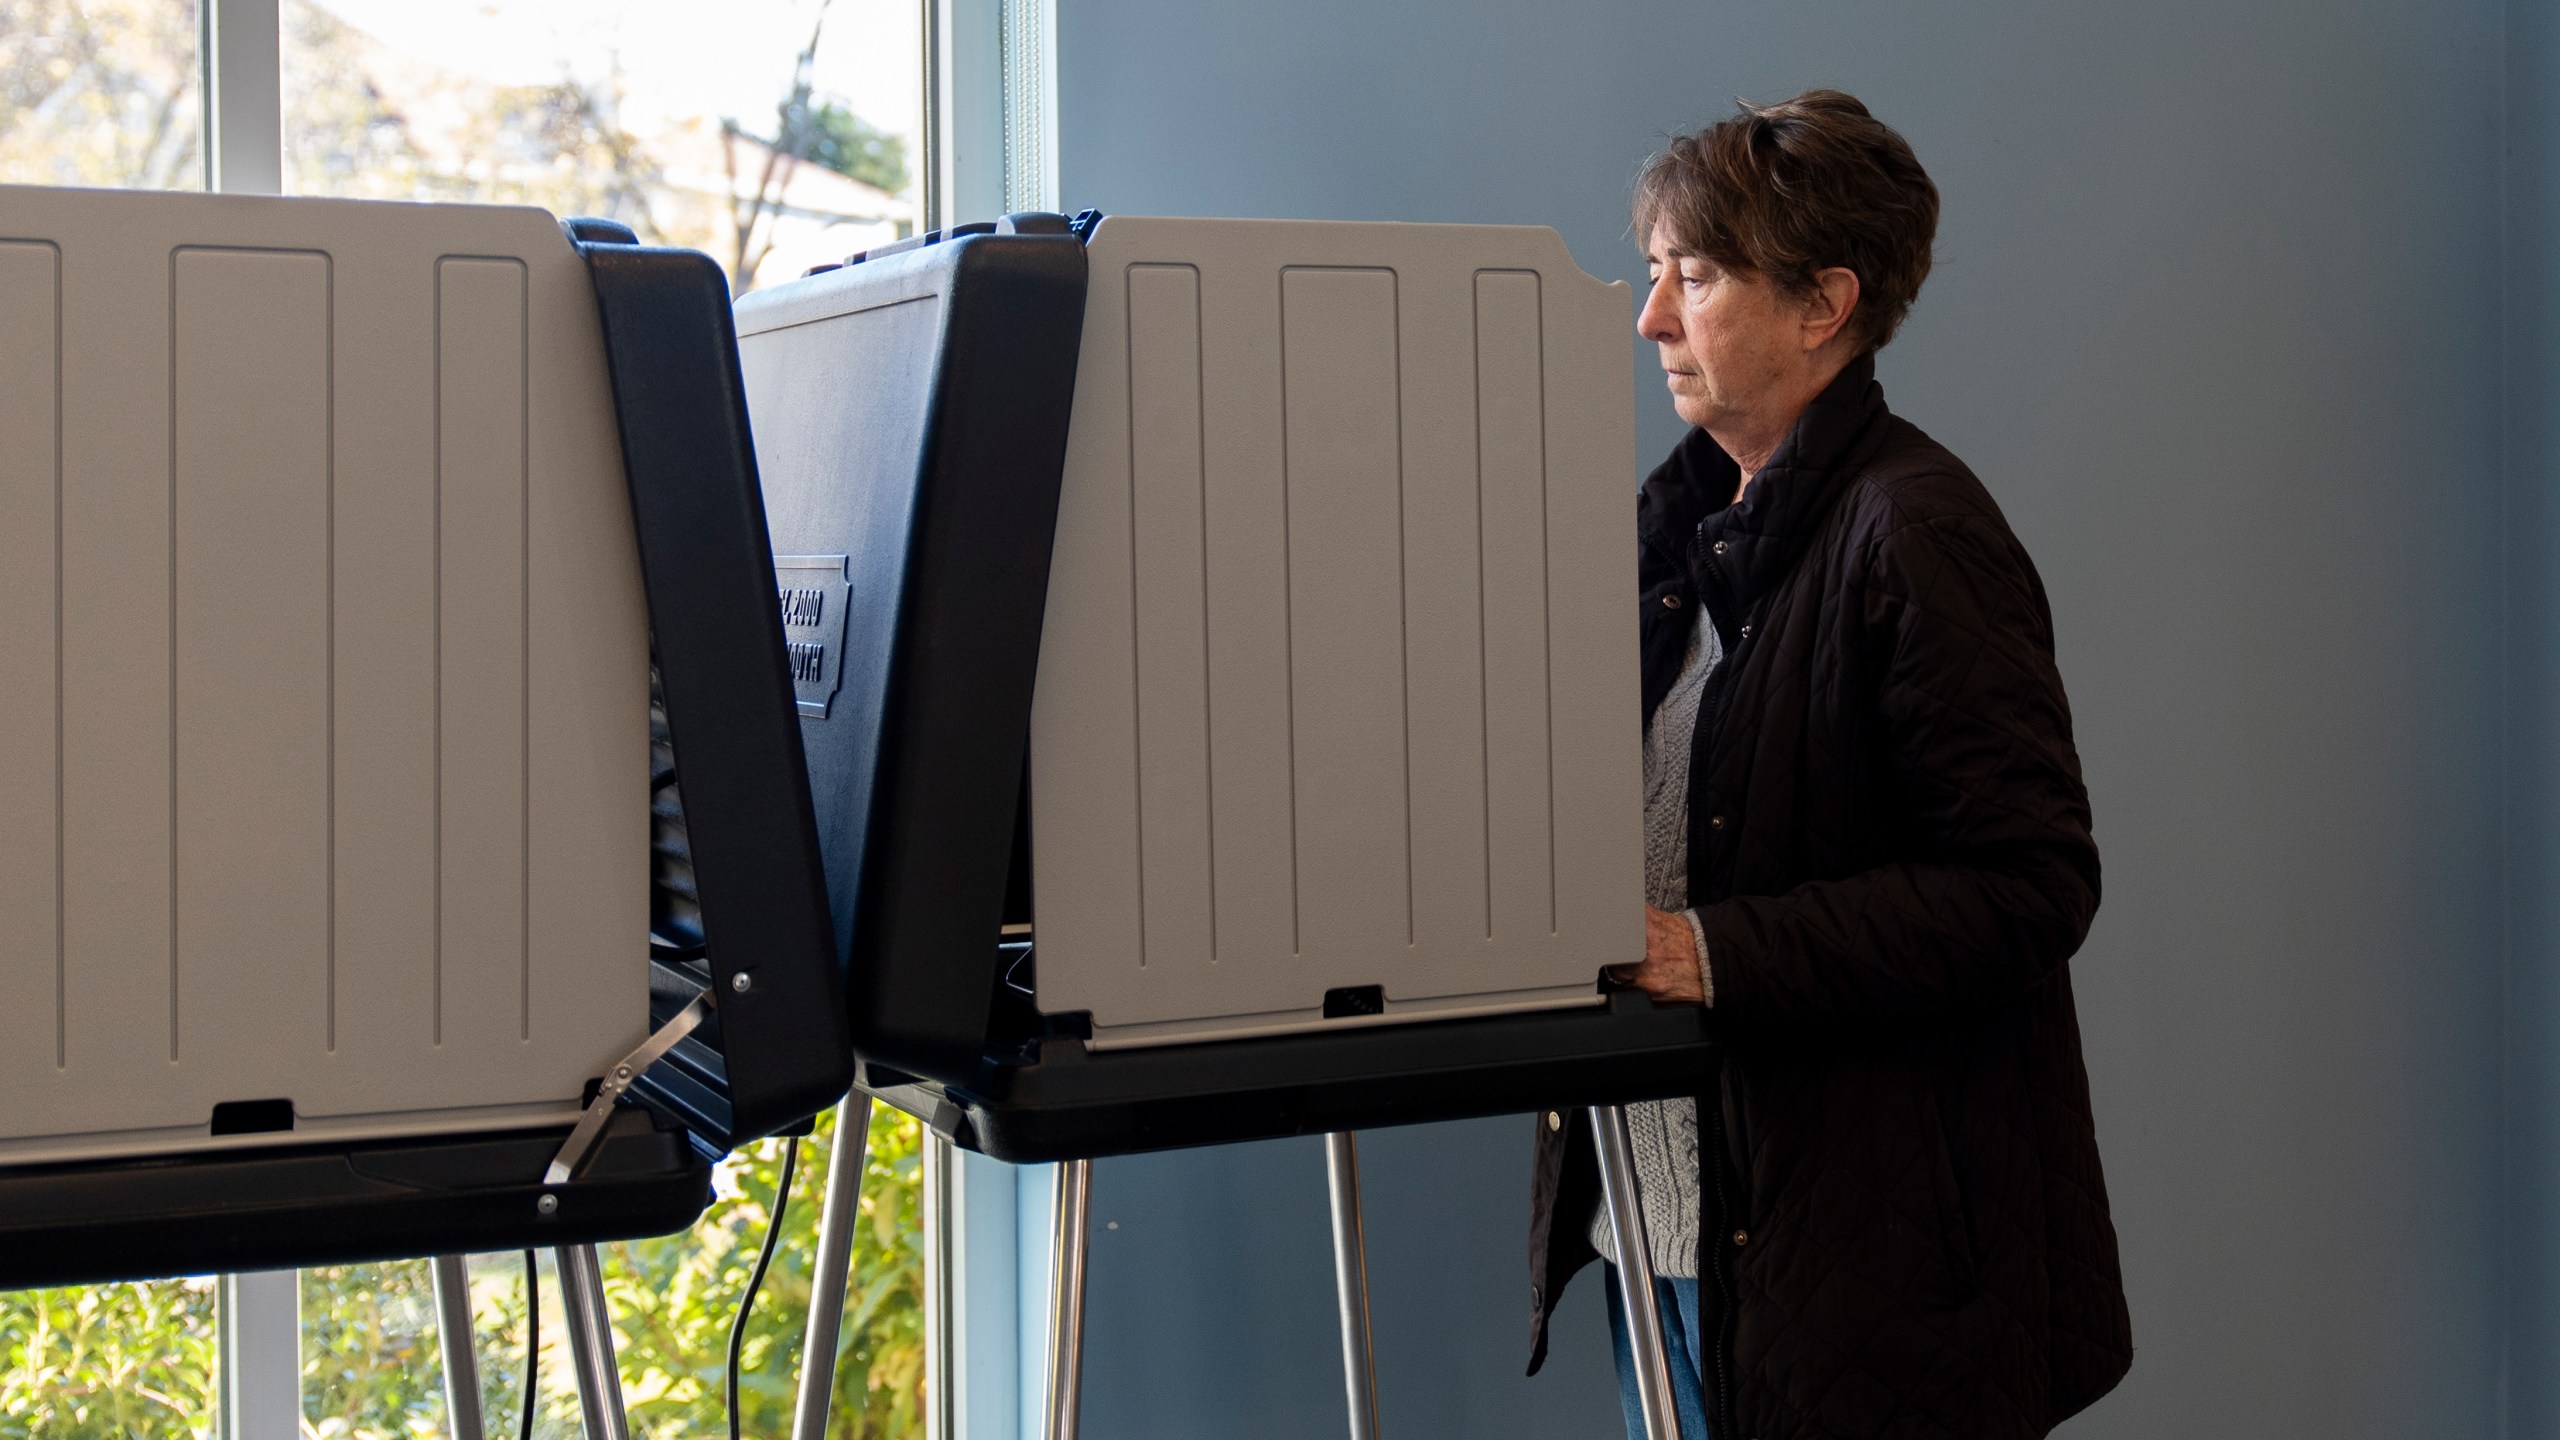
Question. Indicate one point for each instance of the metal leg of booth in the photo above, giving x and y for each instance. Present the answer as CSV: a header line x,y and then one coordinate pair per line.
x,y
1351,1283
843,1210
454,1343
1635,1271
1066,1298
591,1343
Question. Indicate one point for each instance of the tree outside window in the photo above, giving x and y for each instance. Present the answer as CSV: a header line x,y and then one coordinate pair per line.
x,y
772,137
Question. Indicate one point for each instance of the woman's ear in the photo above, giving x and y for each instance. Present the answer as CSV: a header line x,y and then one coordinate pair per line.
x,y
1828,306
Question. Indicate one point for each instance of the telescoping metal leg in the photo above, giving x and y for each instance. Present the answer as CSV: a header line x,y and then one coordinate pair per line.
x,y
1351,1283
843,1210
1635,1271
1066,1298
591,1343
454,1340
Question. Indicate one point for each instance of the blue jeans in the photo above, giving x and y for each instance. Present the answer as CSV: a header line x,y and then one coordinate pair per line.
x,y
1682,1346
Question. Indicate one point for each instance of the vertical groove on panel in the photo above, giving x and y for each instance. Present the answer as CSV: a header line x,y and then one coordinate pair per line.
x,y
483,558
1176,821
1137,677
435,687
524,605
1208,676
1514,534
1404,602
250,577
172,582
1484,681
1547,612
1345,480
32,759
329,653
1288,603
61,760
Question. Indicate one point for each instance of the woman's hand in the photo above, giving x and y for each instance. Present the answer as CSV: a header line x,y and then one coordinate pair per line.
x,y
1670,967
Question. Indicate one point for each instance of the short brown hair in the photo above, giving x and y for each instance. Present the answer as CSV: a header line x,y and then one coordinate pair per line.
x,y
1798,187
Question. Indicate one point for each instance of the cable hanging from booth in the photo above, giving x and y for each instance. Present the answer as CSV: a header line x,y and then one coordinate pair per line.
x,y
755,1277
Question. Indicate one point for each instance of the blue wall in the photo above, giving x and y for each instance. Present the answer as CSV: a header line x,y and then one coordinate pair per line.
x,y
2533,721
2218,316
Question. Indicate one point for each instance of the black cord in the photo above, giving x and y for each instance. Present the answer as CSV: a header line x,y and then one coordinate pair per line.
x,y
755,1280
532,1346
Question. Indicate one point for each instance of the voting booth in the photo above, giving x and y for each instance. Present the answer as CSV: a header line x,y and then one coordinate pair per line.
x,y
347,552
1213,663
1135,683
1219,694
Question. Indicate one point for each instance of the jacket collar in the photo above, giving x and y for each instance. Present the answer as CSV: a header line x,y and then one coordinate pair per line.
x,y
1687,507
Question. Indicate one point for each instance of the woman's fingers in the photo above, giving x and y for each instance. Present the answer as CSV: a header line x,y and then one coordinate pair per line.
x,y
1670,967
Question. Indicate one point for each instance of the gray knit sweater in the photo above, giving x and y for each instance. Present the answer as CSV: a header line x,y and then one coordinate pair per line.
x,y
1665,1132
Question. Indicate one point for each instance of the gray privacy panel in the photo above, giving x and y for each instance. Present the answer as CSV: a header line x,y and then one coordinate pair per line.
x,y
1335,684
327,665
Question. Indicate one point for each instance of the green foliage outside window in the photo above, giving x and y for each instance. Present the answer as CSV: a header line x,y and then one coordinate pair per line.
x,y
108,1362
136,1362
850,145
99,92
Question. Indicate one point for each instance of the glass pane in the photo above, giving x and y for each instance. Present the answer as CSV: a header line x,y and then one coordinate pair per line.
x,y
370,1362
100,92
772,134
373,1368
109,1362
673,1299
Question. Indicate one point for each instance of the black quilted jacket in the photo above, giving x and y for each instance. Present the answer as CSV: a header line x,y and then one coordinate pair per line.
x,y
1906,1227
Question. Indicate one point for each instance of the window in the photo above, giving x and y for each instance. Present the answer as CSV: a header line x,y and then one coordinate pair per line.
x,y
771,134
101,92
108,1361
104,92
372,1370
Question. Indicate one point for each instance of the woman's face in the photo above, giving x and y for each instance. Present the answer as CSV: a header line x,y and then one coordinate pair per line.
x,y
1731,344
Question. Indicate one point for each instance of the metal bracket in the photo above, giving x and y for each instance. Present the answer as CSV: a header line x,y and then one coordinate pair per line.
x,y
573,1151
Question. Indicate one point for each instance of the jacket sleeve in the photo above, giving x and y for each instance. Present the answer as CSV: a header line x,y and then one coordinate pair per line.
x,y
1994,878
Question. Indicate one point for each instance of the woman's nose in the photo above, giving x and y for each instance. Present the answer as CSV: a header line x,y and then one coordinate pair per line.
x,y
1658,320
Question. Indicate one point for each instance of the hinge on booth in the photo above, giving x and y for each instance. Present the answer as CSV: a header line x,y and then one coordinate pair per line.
x,y
591,1121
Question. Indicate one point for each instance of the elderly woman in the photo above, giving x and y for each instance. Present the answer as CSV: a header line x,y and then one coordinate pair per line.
x,y
1867,849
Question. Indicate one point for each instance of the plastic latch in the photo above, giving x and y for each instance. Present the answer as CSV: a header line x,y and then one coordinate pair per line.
x,y
596,230
1032,222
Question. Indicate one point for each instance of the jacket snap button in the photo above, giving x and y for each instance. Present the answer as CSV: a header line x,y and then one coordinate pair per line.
x,y
1741,1237
1554,1121
1670,602
1715,822
1719,547
1746,632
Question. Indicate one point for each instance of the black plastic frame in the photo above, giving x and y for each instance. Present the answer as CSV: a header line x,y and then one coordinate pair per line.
x,y
780,1051
1071,1103
284,1207
918,767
